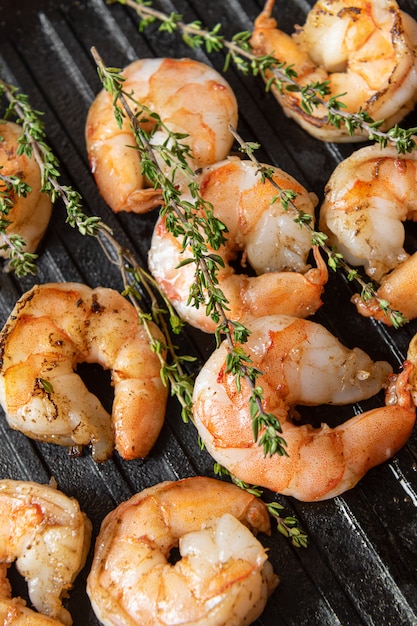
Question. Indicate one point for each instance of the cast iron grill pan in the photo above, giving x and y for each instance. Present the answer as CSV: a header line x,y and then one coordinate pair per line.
x,y
360,566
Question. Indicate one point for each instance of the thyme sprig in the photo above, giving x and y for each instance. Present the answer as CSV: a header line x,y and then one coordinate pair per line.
x,y
288,526
136,280
196,224
275,73
335,258
19,260
33,143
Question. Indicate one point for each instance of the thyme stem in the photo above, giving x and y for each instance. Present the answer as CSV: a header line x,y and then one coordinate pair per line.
x,y
288,526
33,142
182,220
133,275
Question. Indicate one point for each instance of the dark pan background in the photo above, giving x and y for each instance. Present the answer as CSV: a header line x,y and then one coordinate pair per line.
x,y
360,566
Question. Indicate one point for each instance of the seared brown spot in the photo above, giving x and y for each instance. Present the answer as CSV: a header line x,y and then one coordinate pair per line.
x,y
96,307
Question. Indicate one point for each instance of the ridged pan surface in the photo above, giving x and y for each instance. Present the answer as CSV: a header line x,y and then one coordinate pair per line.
x,y
361,563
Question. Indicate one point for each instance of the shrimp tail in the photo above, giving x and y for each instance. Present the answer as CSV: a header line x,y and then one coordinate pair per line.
x,y
265,19
319,275
387,429
371,308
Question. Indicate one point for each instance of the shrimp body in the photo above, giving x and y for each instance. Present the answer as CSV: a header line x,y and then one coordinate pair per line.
x,y
189,97
367,200
29,215
398,288
302,364
14,612
48,537
259,229
52,329
366,50
412,357
223,577
368,197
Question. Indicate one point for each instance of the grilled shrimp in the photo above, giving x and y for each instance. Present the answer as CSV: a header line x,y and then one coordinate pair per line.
x,y
365,49
189,97
260,230
45,532
302,364
53,328
368,198
14,612
412,357
29,215
223,577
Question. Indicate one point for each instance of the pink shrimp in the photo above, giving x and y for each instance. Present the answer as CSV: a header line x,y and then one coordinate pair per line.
x,y
368,199
365,49
52,329
29,214
189,97
302,363
48,536
262,231
223,577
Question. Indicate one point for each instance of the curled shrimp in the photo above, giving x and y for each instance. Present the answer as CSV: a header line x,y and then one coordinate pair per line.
x,y
367,199
259,229
223,577
302,364
189,97
364,49
48,536
28,215
53,328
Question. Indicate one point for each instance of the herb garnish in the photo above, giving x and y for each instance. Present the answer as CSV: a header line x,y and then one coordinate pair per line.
x,y
137,282
196,223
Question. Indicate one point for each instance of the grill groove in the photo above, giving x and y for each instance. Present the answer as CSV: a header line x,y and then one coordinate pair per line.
x,y
361,565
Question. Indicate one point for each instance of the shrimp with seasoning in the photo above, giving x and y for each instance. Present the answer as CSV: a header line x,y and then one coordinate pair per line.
x,y
412,357
259,229
48,536
302,364
365,49
14,612
189,97
367,199
223,577
29,214
53,328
